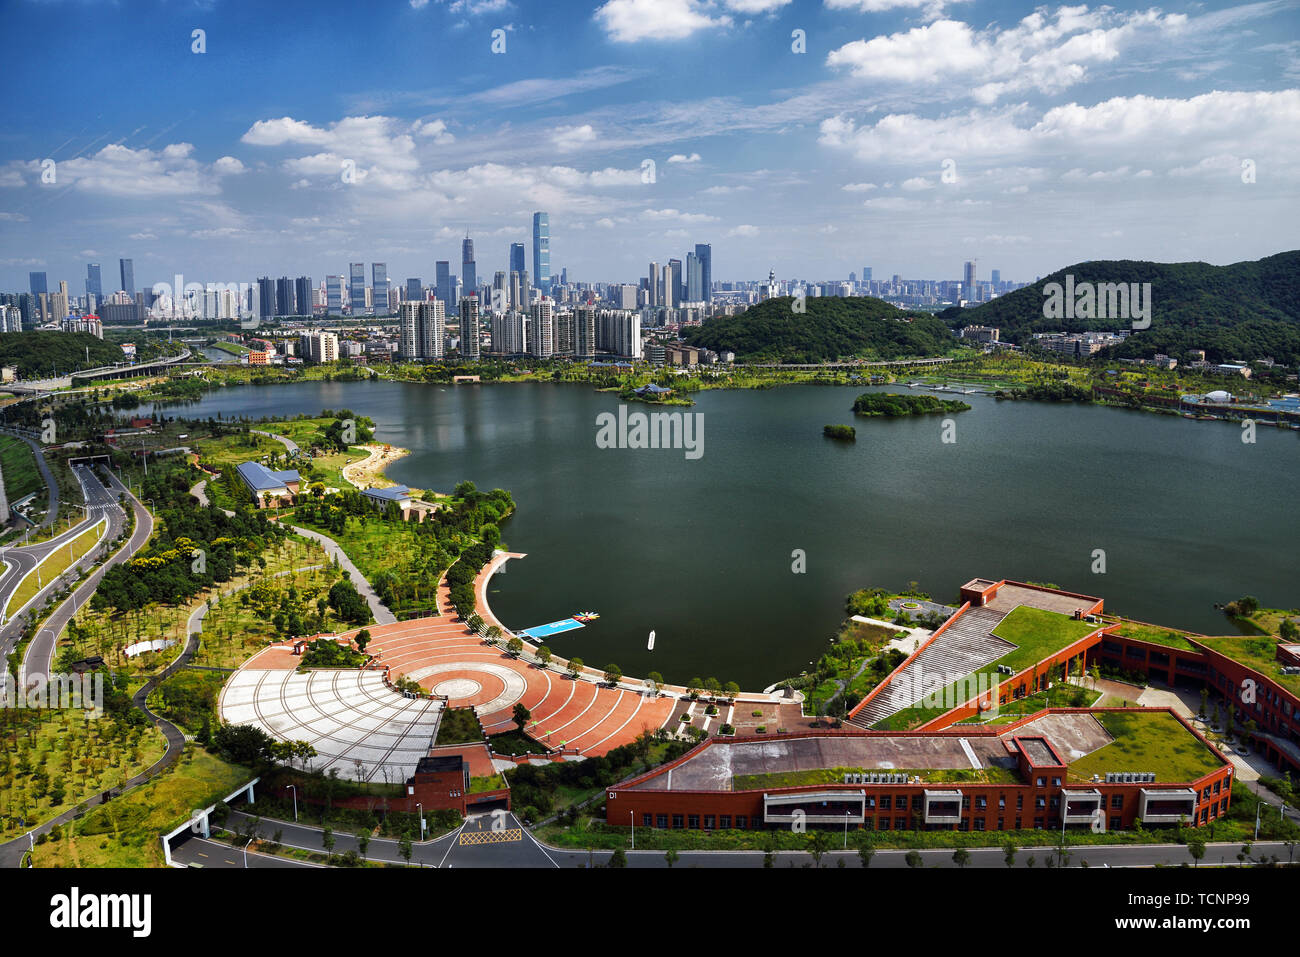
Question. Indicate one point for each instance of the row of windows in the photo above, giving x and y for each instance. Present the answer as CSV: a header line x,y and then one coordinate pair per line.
x,y
694,821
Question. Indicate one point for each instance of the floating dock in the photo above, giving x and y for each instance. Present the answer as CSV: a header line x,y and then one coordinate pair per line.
x,y
553,628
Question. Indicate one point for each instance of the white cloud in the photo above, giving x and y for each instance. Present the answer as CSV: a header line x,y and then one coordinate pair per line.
x,y
726,190
677,215
566,139
627,21
916,183
756,6
13,218
435,130
121,171
743,230
1042,52
858,187
683,158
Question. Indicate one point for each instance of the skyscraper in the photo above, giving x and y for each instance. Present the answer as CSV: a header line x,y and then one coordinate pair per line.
x,y
542,251
694,278
94,282
265,297
127,267
379,285
704,253
517,258
866,274
968,286
584,332
357,288
468,269
421,329
469,331
302,294
442,282
653,285
40,292
673,283
334,295
414,290
995,277
542,338
284,305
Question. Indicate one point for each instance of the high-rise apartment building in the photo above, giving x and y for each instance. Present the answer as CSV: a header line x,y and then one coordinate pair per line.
x,y
265,297
304,296
694,279
284,304
422,329
542,338
673,283
469,330
40,287
584,332
542,251
320,346
652,286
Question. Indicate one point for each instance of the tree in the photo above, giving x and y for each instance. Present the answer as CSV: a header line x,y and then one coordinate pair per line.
x,y
404,847
618,858
363,844
544,655
914,859
521,715
493,635
819,842
613,674
1196,848
1009,854
515,646
671,857
961,857
327,842
865,852
653,681
475,623
575,667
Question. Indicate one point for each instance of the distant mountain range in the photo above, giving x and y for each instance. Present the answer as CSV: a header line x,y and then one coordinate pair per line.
x,y
1248,310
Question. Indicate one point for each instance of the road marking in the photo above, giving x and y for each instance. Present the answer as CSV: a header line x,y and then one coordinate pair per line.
x,y
508,836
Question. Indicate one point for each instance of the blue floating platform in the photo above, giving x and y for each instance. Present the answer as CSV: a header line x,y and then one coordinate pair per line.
x,y
554,628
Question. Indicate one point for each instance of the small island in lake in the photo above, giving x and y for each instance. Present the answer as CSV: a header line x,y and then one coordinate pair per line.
x,y
892,404
845,432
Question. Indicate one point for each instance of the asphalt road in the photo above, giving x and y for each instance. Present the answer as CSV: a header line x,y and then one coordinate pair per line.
x,y
467,847
52,510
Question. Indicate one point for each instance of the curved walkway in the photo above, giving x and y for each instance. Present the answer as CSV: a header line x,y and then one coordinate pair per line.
x,y
52,511
332,548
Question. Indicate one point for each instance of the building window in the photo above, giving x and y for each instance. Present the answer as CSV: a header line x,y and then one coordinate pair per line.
x,y
965,802
900,824
708,822
1020,803
724,822
1040,802
981,802
884,824
693,821
1038,824
1115,822
963,824
886,802
917,802
677,821
1056,802
645,820
1002,824
1116,802
661,821
871,803
1041,782
1002,801
1018,823
979,823
1056,782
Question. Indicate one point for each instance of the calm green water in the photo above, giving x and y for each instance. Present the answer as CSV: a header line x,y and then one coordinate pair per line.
x,y
700,551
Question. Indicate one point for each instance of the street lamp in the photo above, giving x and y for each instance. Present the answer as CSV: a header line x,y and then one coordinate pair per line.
x,y
420,809
846,830
632,815
294,788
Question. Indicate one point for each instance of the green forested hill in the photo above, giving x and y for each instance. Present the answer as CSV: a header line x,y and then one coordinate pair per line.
x,y
831,328
38,354
1245,311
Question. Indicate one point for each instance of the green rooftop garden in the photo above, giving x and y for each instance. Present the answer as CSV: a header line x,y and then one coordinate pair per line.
x,y
814,776
1037,634
1255,651
1147,741
1154,634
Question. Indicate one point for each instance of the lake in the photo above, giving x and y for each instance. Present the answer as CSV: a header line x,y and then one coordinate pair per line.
x,y
702,550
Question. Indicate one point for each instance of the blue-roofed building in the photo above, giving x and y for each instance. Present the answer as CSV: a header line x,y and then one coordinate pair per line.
x,y
398,495
270,488
653,390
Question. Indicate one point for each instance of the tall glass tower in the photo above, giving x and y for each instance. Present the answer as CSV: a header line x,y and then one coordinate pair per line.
x,y
704,255
517,258
379,287
541,250
357,287
94,282
468,270
442,282
128,275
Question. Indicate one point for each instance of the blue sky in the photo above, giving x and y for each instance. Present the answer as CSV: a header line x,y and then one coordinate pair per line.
x,y
910,136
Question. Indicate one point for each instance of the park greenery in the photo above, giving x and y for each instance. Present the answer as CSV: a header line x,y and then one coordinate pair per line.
x,y
40,355
843,432
898,404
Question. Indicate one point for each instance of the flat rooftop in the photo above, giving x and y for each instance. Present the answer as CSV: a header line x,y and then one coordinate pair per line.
x,y
1090,742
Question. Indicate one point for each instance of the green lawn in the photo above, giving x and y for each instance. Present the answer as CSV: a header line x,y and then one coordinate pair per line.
x,y
1037,634
1147,741
124,832
54,565
1258,652
22,477
1155,635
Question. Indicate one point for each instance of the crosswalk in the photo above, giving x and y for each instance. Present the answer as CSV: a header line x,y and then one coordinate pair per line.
x,y
967,644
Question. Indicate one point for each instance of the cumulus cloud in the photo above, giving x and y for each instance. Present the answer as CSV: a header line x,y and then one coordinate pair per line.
x,y
627,21
118,170
683,158
566,139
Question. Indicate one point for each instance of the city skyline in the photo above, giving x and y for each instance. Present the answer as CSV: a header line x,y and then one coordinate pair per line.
x,y
914,137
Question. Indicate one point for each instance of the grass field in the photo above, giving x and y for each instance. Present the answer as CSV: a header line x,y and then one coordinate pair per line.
x,y
788,779
22,477
1037,634
124,832
55,564
1147,741
1259,653
55,758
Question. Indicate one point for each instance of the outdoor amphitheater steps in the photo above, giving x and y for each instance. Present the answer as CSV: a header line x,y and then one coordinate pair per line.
x,y
966,645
